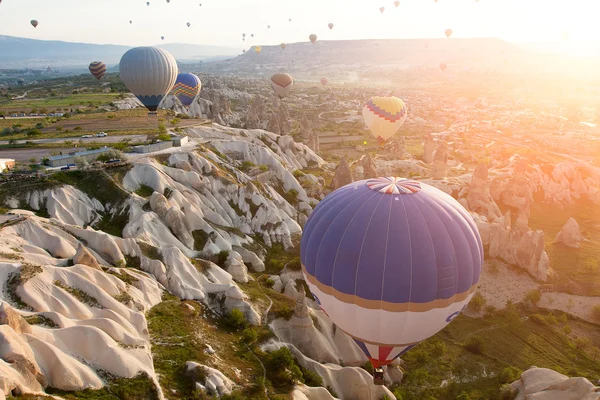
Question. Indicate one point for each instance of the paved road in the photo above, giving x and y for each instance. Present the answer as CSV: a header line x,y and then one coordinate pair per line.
x,y
24,155
25,117
107,139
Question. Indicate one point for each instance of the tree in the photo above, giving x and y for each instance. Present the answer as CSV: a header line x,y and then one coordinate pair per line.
x,y
533,296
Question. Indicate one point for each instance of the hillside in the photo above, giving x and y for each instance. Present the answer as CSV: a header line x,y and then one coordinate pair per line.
x,y
18,52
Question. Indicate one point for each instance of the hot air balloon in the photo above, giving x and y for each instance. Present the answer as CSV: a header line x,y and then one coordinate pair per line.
x,y
313,37
34,23
396,3
290,20
448,32
282,83
382,9
324,81
147,3
187,87
130,21
243,35
330,25
257,49
443,66
252,35
384,116
283,45
149,73
391,261
98,69
162,38
188,24
268,26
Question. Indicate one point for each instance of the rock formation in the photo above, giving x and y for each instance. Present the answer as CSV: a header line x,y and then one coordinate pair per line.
x,y
274,125
543,383
369,168
570,234
440,161
342,176
428,149
256,116
479,198
83,256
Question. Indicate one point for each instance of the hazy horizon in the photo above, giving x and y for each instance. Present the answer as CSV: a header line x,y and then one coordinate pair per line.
x,y
566,25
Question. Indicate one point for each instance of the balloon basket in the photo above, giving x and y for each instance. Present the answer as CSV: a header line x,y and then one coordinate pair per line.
x,y
152,116
378,377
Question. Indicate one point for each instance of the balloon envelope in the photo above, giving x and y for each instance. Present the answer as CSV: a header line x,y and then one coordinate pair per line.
x,y
313,37
391,261
384,116
283,45
149,73
448,32
257,49
282,83
382,9
187,87
396,3
34,23
324,81
98,69
330,25
443,66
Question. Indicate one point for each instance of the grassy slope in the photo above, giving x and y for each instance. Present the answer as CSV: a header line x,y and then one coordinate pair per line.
x,y
507,341
51,103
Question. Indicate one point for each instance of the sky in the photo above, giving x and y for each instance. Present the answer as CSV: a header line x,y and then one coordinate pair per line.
x,y
570,24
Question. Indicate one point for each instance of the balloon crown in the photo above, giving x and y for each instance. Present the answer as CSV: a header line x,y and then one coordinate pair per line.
x,y
394,185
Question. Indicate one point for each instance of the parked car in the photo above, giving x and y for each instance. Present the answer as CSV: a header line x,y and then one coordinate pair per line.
x,y
101,134
21,115
87,136
13,115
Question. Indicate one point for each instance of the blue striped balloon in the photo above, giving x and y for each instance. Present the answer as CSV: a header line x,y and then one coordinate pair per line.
x,y
391,261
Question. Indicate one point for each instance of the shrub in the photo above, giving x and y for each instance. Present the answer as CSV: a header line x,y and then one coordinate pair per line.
x,y
475,345
463,396
368,367
237,319
246,166
144,191
509,374
249,336
281,368
508,392
490,310
477,302
533,296
295,264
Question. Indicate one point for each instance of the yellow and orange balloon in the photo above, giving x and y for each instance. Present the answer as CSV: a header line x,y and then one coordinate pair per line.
x,y
384,116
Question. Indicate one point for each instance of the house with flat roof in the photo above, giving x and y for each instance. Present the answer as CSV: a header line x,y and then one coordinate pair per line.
x,y
6,164
66,159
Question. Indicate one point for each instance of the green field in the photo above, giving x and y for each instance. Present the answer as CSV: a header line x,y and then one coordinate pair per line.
x,y
60,101
508,340
578,269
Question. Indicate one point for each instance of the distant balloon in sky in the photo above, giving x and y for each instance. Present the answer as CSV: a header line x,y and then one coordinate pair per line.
x,y
391,261
187,87
149,73
252,35
162,38
147,3
384,116
268,26
330,25
382,9
130,21
313,37
396,3
448,32
98,69
282,83
34,23
443,66
243,35
290,20
324,81
257,49
283,45
188,24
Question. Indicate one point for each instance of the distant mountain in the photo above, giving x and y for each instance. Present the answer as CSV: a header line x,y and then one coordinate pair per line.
x,y
18,52
354,58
